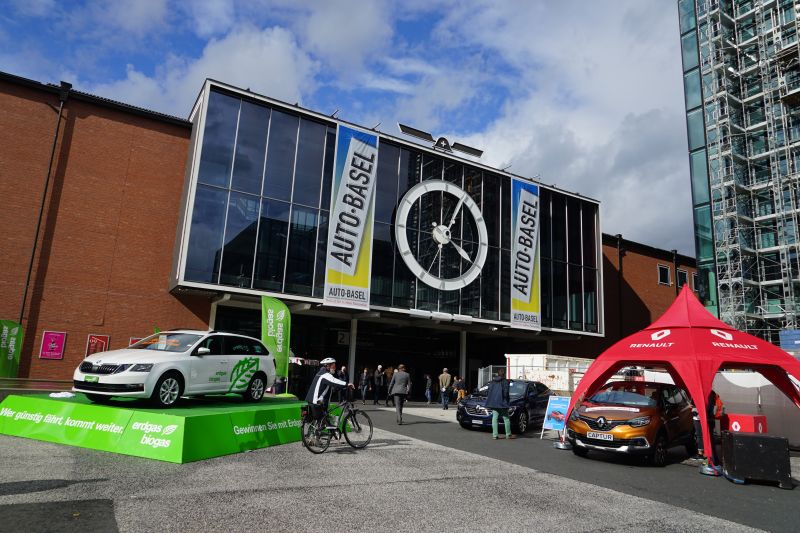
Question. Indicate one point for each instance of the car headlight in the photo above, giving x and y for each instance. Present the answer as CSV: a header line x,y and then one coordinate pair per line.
x,y
639,421
511,411
573,416
142,367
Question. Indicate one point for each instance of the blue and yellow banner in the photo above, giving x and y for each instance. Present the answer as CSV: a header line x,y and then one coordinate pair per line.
x,y
525,289
349,254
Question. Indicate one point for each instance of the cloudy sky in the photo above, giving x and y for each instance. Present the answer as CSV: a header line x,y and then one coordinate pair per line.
x,y
585,94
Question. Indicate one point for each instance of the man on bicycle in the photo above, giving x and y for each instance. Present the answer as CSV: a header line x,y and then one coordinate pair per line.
x,y
323,384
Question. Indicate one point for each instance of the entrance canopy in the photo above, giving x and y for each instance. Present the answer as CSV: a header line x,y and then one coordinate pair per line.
x,y
692,345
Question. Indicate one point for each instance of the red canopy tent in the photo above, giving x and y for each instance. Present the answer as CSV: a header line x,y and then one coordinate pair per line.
x,y
692,345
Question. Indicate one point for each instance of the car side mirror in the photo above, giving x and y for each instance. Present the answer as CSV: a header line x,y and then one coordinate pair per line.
x,y
203,351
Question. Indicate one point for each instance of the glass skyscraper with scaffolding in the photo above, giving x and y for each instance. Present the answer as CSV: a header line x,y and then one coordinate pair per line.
x,y
741,75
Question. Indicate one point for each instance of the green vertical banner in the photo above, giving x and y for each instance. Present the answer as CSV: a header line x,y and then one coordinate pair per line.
x,y
10,348
276,326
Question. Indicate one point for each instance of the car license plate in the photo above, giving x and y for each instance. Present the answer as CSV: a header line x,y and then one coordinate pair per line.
x,y
92,379
600,436
478,422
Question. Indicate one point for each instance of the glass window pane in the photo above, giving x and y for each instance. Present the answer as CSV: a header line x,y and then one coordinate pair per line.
x,y
409,174
574,249
302,251
251,141
451,265
547,293
559,295
386,185
382,264
589,221
694,121
590,299
310,154
505,286
240,240
691,89
702,232
322,248
327,173
575,297
686,15
272,232
559,232
205,235
546,224
491,207
490,285
699,177
280,155
405,282
689,48
505,219
218,138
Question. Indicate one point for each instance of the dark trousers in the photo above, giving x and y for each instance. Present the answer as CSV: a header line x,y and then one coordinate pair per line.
x,y
380,390
399,400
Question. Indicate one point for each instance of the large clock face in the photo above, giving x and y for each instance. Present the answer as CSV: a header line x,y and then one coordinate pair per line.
x,y
440,236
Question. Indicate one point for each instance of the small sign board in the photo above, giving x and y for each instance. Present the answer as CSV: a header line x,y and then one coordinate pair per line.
x,y
790,340
96,343
556,414
53,343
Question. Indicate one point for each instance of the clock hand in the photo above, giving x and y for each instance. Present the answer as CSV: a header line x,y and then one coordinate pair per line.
x,y
458,208
461,251
434,258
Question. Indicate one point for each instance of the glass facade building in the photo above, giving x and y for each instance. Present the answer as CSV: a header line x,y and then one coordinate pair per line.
x,y
257,207
742,92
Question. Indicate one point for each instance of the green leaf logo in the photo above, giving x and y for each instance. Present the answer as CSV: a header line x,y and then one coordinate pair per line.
x,y
242,372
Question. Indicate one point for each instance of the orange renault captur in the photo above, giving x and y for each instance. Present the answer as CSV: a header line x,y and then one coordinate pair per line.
x,y
633,417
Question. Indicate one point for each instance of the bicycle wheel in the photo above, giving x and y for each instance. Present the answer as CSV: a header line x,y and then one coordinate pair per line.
x,y
314,439
358,429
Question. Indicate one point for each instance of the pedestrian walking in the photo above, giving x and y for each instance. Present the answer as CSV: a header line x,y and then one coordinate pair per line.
x,y
445,381
342,375
389,397
378,384
498,399
365,384
428,385
459,387
399,388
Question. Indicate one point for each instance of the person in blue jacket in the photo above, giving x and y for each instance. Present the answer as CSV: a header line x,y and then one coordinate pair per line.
x,y
498,400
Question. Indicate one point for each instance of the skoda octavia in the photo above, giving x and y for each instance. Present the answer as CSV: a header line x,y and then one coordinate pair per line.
x,y
168,365
633,417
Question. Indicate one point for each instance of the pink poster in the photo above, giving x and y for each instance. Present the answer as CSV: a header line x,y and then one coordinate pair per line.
x,y
53,345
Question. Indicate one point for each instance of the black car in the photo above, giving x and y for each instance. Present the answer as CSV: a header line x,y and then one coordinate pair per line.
x,y
528,406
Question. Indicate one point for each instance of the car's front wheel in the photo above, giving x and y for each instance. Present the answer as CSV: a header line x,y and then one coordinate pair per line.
x,y
580,451
255,390
522,423
658,457
168,389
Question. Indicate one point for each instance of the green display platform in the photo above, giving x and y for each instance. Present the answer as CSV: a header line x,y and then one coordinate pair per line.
x,y
197,429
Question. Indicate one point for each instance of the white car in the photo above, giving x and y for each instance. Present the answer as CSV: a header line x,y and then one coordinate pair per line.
x,y
171,364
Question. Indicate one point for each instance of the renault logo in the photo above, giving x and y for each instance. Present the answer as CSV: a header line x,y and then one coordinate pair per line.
x,y
658,335
722,334
601,422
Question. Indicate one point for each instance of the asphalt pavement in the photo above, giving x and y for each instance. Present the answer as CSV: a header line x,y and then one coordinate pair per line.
x,y
403,481
759,506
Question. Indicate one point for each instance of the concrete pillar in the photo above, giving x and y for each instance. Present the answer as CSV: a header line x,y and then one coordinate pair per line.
x,y
351,360
462,354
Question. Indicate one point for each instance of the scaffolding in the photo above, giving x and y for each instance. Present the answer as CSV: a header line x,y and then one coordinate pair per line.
x,y
750,68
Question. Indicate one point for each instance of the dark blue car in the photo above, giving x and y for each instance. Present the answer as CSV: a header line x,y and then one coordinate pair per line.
x,y
528,406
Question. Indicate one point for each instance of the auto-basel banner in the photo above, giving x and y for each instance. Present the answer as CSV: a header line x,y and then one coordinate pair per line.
x,y
177,436
276,327
10,348
349,253
525,307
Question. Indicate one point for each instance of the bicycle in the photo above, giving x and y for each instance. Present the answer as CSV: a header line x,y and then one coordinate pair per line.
x,y
353,423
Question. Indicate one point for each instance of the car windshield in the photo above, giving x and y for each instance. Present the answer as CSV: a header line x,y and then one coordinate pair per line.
x,y
516,389
638,394
167,342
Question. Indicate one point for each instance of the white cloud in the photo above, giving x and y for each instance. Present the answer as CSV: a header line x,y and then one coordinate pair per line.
x,y
266,61
211,17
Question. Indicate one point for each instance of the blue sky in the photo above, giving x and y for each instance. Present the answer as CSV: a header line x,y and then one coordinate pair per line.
x,y
585,94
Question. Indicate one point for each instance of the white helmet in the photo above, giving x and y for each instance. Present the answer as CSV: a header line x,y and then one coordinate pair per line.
x,y
327,361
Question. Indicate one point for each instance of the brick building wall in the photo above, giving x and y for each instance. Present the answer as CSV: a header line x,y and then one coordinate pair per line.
x,y
108,229
633,296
